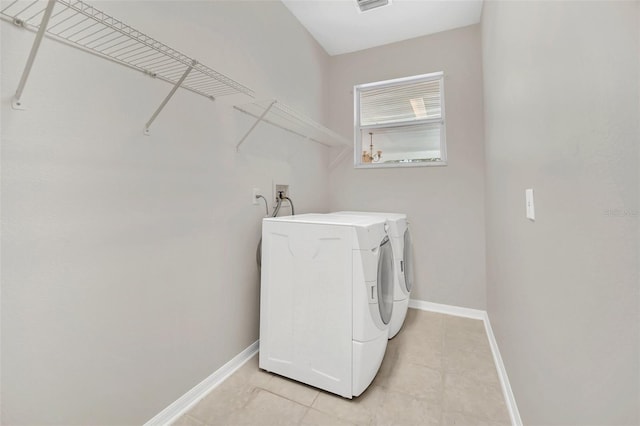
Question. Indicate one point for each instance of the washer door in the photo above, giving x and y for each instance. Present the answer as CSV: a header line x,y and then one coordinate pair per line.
x,y
385,280
407,261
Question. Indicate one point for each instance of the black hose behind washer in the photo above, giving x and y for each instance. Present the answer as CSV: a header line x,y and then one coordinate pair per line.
x,y
275,213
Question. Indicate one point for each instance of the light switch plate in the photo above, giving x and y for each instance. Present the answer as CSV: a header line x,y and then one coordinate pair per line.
x,y
530,208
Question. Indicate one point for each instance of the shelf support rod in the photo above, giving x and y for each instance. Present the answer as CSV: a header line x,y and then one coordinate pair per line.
x,y
169,96
255,124
338,158
16,103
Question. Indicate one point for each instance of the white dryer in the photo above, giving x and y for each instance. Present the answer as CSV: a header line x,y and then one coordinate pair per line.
x,y
403,259
326,299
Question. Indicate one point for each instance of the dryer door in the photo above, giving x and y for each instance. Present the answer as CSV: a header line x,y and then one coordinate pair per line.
x,y
407,261
385,280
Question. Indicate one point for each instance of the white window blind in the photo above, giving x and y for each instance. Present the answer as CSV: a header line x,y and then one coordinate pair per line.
x,y
400,122
400,103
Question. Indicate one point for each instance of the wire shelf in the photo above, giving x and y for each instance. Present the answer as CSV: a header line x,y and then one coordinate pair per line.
x,y
82,26
284,117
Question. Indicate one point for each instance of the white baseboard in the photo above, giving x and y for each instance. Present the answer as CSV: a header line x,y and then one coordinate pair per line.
x,y
510,400
199,391
502,373
447,309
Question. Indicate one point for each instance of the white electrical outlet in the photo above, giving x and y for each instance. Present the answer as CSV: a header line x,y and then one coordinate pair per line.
x,y
254,196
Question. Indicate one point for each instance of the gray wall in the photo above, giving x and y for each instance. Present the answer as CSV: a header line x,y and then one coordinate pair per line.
x,y
128,262
445,205
561,108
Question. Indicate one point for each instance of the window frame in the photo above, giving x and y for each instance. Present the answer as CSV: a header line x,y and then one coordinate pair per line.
x,y
357,145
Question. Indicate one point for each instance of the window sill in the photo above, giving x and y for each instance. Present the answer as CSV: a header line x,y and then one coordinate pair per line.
x,y
400,165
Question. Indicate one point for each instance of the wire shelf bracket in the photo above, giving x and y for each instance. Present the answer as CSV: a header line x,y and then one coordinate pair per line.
x,y
16,103
279,115
258,120
339,158
169,96
79,25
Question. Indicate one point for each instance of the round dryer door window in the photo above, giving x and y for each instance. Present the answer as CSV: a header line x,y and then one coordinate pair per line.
x,y
385,280
408,261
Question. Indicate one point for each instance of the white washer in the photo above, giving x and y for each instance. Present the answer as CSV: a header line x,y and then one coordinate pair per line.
x,y
326,299
403,259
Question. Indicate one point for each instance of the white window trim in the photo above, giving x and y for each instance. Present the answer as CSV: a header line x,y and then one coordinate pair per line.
x,y
357,145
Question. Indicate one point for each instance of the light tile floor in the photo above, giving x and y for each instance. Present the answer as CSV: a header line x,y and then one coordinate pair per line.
x,y
437,371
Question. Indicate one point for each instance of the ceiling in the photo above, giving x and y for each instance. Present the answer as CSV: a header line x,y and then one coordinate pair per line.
x,y
340,27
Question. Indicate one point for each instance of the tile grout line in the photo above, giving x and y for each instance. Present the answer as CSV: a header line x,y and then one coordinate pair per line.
x,y
314,399
287,398
304,415
195,418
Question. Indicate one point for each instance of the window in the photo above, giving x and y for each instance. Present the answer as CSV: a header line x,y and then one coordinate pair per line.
x,y
400,123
